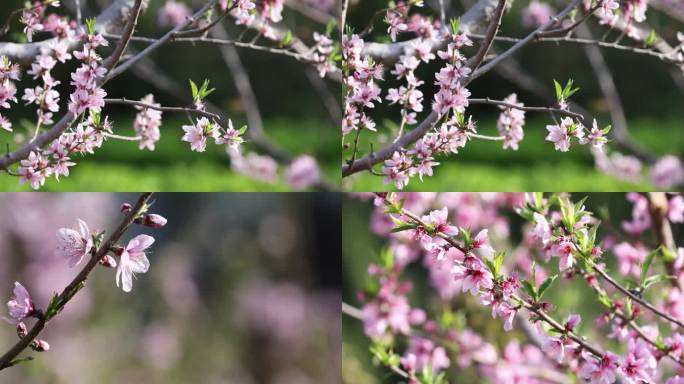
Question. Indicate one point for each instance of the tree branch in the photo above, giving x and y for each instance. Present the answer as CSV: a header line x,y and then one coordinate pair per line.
x,y
68,291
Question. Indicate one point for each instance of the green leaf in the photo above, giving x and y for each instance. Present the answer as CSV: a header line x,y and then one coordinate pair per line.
x,y
606,129
330,27
492,268
193,88
287,39
387,258
498,262
546,284
655,279
529,288
242,130
455,25
651,38
647,264
559,90
605,300
403,227
90,25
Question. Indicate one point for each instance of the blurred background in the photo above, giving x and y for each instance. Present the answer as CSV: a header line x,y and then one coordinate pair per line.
x,y
362,244
242,288
651,94
299,111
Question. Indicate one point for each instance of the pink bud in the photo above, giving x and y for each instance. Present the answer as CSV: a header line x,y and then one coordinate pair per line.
x,y
40,345
154,221
108,261
126,208
21,330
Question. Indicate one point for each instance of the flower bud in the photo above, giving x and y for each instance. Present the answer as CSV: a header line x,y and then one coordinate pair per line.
x,y
126,208
21,330
117,249
108,261
40,345
154,221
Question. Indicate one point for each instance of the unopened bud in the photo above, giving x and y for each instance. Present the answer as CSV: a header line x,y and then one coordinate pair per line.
x,y
117,249
154,221
126,208
21,330
40,345
108,261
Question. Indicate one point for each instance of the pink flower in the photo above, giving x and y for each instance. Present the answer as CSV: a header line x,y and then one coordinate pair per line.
x,y
640,364
595,137
675,209
630,258
601,371
511,122
481,242
564,249
675,380
667,172
21,306
74,245
438,219
5,123
559,135
571,323
196,134
473,278
133,260
536,14
303,172
147,123
7,93
542,229
554,347
173,14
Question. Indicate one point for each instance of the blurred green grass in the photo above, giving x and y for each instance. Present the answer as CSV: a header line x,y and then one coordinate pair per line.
x,y
120,166
484,166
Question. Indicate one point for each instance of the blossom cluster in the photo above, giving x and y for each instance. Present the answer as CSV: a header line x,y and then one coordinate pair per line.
x,y
458,261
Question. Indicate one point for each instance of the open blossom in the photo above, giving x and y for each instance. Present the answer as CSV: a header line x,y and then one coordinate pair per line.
x,y
595,137
481,242
133,260
21,306
196,134
536,14
438,219
542,229
173,14
74,245
510,123
640,364
474,278
303,172
564,249
147,123
667,172
601,371
630,258
554,347
559,135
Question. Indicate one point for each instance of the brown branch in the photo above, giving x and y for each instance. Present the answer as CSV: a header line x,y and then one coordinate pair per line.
x,y
68,119
658,206
109,20
124,101
68,291
636,298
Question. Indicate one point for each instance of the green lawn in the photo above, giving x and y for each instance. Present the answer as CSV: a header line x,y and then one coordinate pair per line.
x,y
120,166
484,166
